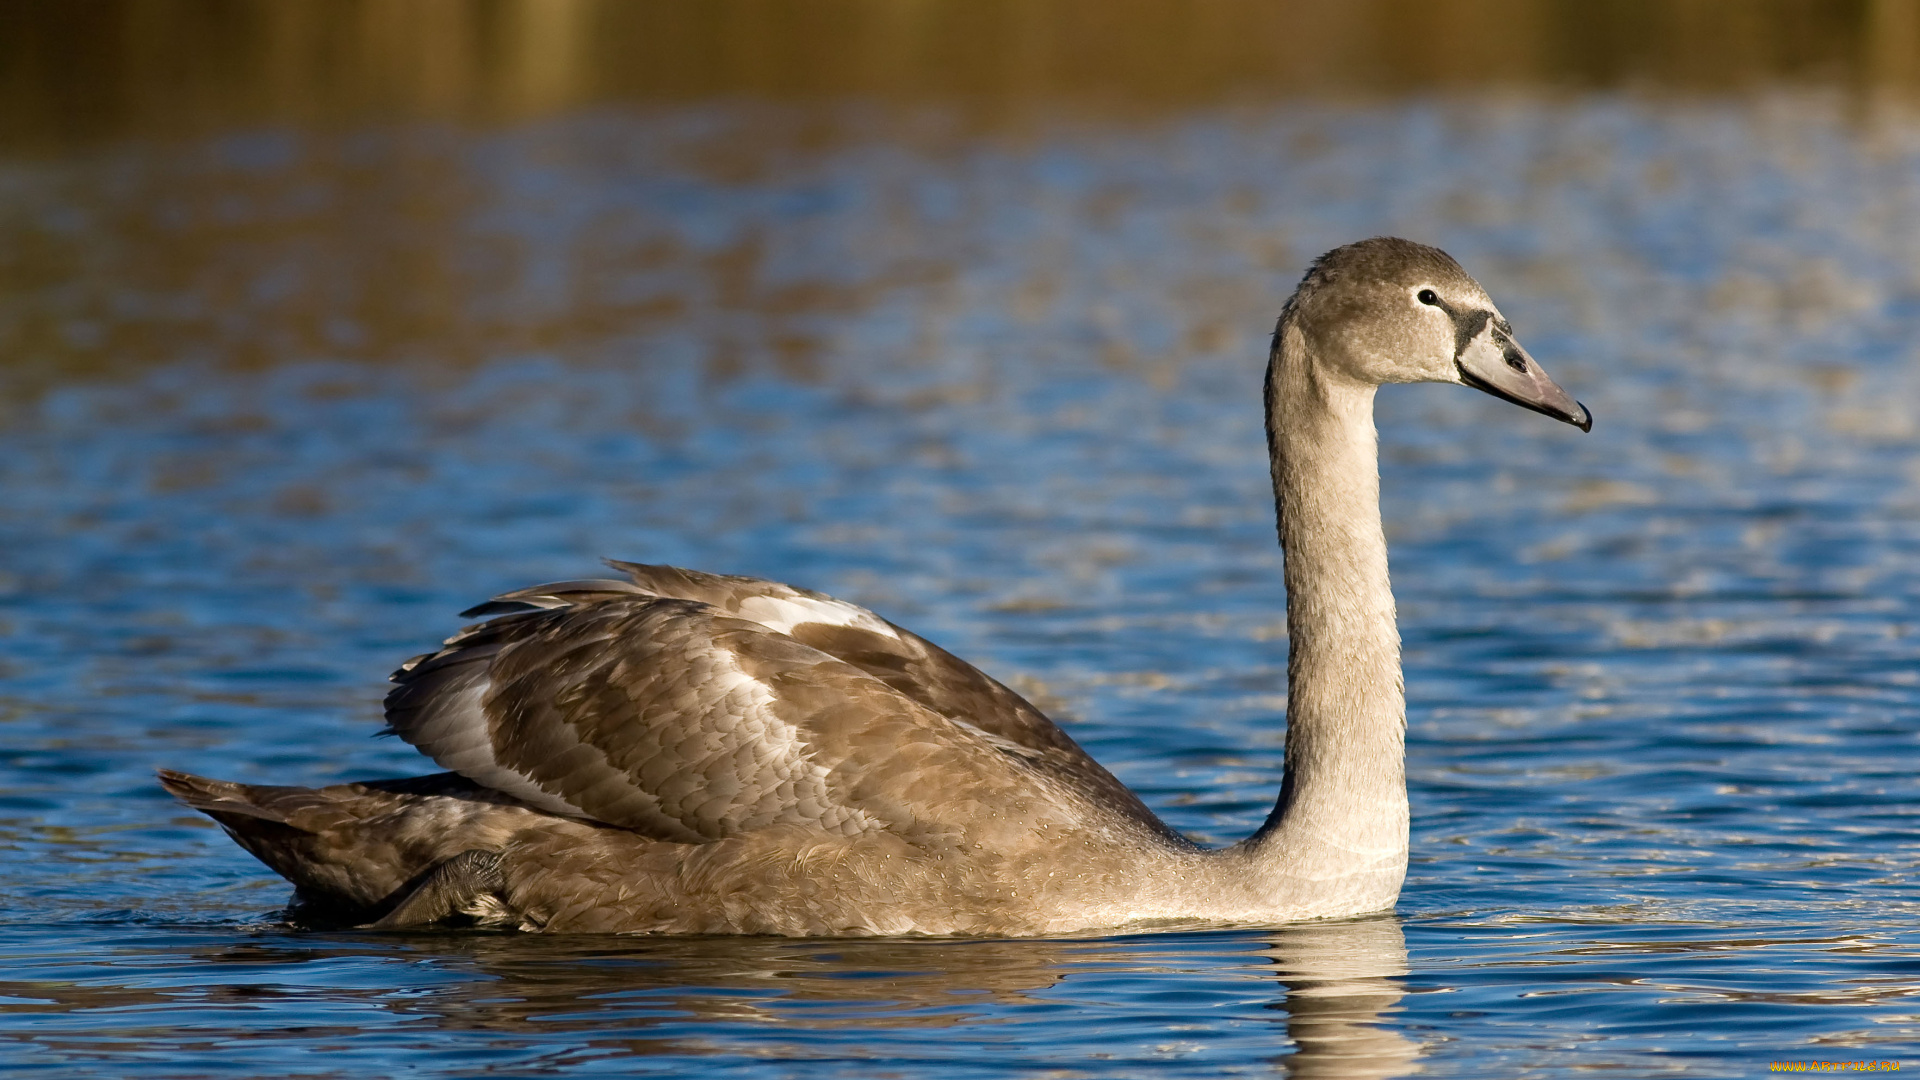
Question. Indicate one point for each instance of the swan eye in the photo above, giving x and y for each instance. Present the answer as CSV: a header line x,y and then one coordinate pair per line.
x,y
1427,296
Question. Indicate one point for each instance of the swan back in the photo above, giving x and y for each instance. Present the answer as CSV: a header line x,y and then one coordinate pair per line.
x,y
692,706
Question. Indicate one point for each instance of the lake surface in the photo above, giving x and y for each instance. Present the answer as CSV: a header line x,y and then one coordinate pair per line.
x,y
278,404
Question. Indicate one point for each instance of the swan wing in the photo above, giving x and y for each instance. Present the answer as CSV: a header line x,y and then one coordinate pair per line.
x,y
905,661
674,719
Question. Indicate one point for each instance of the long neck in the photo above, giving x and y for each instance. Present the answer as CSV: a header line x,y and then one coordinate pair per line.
x,y
1343,804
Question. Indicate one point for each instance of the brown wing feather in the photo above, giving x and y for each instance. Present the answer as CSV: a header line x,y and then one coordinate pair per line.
x,y
353,849
669,718
910,664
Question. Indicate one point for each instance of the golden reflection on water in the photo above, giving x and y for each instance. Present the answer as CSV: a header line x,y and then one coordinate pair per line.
x,y
348,209
77,72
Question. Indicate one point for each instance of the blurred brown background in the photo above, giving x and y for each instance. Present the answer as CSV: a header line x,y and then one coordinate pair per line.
x,y
252,182
76,70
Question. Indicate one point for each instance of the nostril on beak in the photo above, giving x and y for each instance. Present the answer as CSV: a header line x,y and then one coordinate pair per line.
x,y
1516,359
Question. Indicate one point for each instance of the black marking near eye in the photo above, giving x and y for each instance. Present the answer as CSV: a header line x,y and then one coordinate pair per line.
x,y
1467,326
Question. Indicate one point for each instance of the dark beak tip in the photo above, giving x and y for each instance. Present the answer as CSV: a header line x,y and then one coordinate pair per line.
x,y
1585,422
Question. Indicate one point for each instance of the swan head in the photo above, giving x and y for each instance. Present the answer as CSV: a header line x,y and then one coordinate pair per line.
x,y
1388,310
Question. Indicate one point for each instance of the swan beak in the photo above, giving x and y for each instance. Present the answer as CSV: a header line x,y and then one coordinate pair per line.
x,y
1491,360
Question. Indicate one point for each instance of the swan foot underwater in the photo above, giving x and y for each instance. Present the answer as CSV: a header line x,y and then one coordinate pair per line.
x,y
680,752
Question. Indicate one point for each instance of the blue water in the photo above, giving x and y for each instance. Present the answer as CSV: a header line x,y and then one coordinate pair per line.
x,y
279,404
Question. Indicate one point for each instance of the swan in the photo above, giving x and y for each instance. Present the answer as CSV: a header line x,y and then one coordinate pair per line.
x,y
683,752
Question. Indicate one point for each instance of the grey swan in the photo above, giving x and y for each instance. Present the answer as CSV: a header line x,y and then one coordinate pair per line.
x,y
690,753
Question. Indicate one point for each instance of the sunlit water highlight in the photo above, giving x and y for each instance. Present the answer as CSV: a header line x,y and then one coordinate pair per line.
x,y
1662,678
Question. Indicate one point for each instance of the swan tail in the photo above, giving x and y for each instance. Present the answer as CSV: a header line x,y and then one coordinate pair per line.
x,y
356,852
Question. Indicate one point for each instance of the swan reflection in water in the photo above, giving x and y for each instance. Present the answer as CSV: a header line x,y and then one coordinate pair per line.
x,y
1329,987
1341,978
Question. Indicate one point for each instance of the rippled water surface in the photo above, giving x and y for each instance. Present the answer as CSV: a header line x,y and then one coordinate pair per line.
x,y
280,404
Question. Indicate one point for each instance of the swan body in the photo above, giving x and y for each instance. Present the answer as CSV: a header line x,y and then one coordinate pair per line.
x,y
679,752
